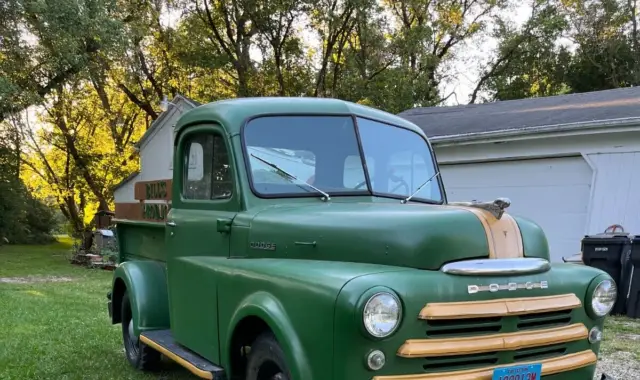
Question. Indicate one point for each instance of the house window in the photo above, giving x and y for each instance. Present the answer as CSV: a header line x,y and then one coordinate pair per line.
x,y
206,171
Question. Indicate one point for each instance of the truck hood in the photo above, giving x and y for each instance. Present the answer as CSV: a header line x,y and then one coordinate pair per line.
x,y
409,235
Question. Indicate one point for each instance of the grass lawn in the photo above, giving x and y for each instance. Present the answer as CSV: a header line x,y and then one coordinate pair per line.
x,y
60,330
622,334
54,322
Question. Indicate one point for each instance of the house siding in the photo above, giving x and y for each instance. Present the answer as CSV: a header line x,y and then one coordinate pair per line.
x,y
613,157
615,197
156,154
540,147
125,193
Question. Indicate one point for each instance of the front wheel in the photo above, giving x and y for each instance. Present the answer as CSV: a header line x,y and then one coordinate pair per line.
x,y
140,355
266,360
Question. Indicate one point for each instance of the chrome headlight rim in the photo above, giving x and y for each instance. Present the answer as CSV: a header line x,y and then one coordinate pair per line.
x,y
366,299
591,291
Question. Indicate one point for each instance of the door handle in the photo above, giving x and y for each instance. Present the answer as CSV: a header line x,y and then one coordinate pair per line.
x,y
223,225
171,223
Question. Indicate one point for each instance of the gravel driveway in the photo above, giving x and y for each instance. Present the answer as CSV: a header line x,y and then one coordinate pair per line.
x,y
620,350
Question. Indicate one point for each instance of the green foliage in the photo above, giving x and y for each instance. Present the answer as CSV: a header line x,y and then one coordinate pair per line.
x,y
530,62
46,43
23,219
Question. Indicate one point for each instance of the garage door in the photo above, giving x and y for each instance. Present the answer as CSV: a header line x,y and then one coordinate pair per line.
x,y
553,192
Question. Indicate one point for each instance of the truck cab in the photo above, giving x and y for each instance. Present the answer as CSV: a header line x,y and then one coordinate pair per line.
x,y
313,239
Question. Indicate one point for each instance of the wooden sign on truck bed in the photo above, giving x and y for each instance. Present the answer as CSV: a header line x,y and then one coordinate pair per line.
x,y
154,202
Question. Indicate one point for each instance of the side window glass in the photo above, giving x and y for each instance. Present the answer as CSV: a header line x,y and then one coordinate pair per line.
x,y
222,185
206,174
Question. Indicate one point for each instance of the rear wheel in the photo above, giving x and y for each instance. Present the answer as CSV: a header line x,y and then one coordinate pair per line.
x,y
140,355
266,360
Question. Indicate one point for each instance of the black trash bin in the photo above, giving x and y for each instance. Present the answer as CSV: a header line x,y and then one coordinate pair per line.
x,y
633,290
611,253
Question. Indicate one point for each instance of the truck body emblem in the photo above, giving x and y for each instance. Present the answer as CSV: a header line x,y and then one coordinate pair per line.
x,y
267,246
511,286
496,208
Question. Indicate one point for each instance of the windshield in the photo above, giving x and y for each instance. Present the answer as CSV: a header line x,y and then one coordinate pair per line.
x,y
323,151
398,161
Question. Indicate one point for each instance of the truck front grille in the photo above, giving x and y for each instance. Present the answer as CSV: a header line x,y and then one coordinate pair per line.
x,y
482,334
544,320
459,362
488,325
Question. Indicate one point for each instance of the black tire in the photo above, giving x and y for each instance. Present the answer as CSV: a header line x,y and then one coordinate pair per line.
x,y
140,356
266,360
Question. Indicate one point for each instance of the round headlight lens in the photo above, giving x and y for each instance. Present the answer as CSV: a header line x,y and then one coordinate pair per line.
x,y
604,297
381,314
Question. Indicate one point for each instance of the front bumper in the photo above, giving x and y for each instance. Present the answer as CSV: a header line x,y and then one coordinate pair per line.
x,y
549,367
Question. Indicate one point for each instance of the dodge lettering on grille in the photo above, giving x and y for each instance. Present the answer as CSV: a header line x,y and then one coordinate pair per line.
x,y
511,286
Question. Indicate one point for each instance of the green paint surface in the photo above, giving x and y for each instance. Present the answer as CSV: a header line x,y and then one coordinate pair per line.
x,y
303,266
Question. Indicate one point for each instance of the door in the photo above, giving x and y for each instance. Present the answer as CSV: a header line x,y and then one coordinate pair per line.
x,y
553,192
204,202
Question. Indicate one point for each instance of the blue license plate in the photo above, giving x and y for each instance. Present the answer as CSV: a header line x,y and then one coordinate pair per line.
x,y
518,372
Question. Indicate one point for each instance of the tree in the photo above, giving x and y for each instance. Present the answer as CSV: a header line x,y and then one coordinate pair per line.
x,y
84,149
23,219
44,44
528,61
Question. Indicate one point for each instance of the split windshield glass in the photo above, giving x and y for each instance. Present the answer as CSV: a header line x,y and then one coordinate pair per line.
x,y
323,151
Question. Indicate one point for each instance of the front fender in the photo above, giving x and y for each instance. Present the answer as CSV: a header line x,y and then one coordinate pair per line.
x,y
268,308
146,284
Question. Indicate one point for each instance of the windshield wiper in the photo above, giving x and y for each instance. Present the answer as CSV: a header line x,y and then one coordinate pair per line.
x,y
289,176
419,188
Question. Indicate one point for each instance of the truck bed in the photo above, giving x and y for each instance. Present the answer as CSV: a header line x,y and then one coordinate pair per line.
x,y
140,240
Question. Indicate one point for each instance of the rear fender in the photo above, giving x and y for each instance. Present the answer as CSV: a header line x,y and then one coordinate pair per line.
x,y
265,306
146,284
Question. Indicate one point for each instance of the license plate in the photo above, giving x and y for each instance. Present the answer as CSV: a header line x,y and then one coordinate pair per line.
x,y
518,372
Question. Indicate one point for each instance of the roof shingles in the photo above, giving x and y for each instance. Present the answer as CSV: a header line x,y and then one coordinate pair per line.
x,y
527,113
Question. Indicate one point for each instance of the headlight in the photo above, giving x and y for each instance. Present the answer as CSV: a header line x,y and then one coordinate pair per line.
x,y
381,314
604,297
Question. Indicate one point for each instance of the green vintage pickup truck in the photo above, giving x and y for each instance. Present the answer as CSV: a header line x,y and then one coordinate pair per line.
x,y
312,239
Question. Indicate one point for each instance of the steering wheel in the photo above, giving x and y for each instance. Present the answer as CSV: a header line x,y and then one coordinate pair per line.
x,y
361,184
402,183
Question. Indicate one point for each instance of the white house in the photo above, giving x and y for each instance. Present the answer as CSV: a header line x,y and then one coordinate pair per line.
x,y
156,156
570,163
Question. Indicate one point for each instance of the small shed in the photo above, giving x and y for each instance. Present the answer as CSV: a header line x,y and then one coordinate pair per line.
x,y
569,162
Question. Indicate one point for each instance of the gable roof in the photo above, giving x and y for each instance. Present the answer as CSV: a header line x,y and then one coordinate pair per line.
x,y
157,122
529,115
124,181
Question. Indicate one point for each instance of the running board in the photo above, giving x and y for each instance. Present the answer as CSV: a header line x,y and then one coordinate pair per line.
x,y
163,342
